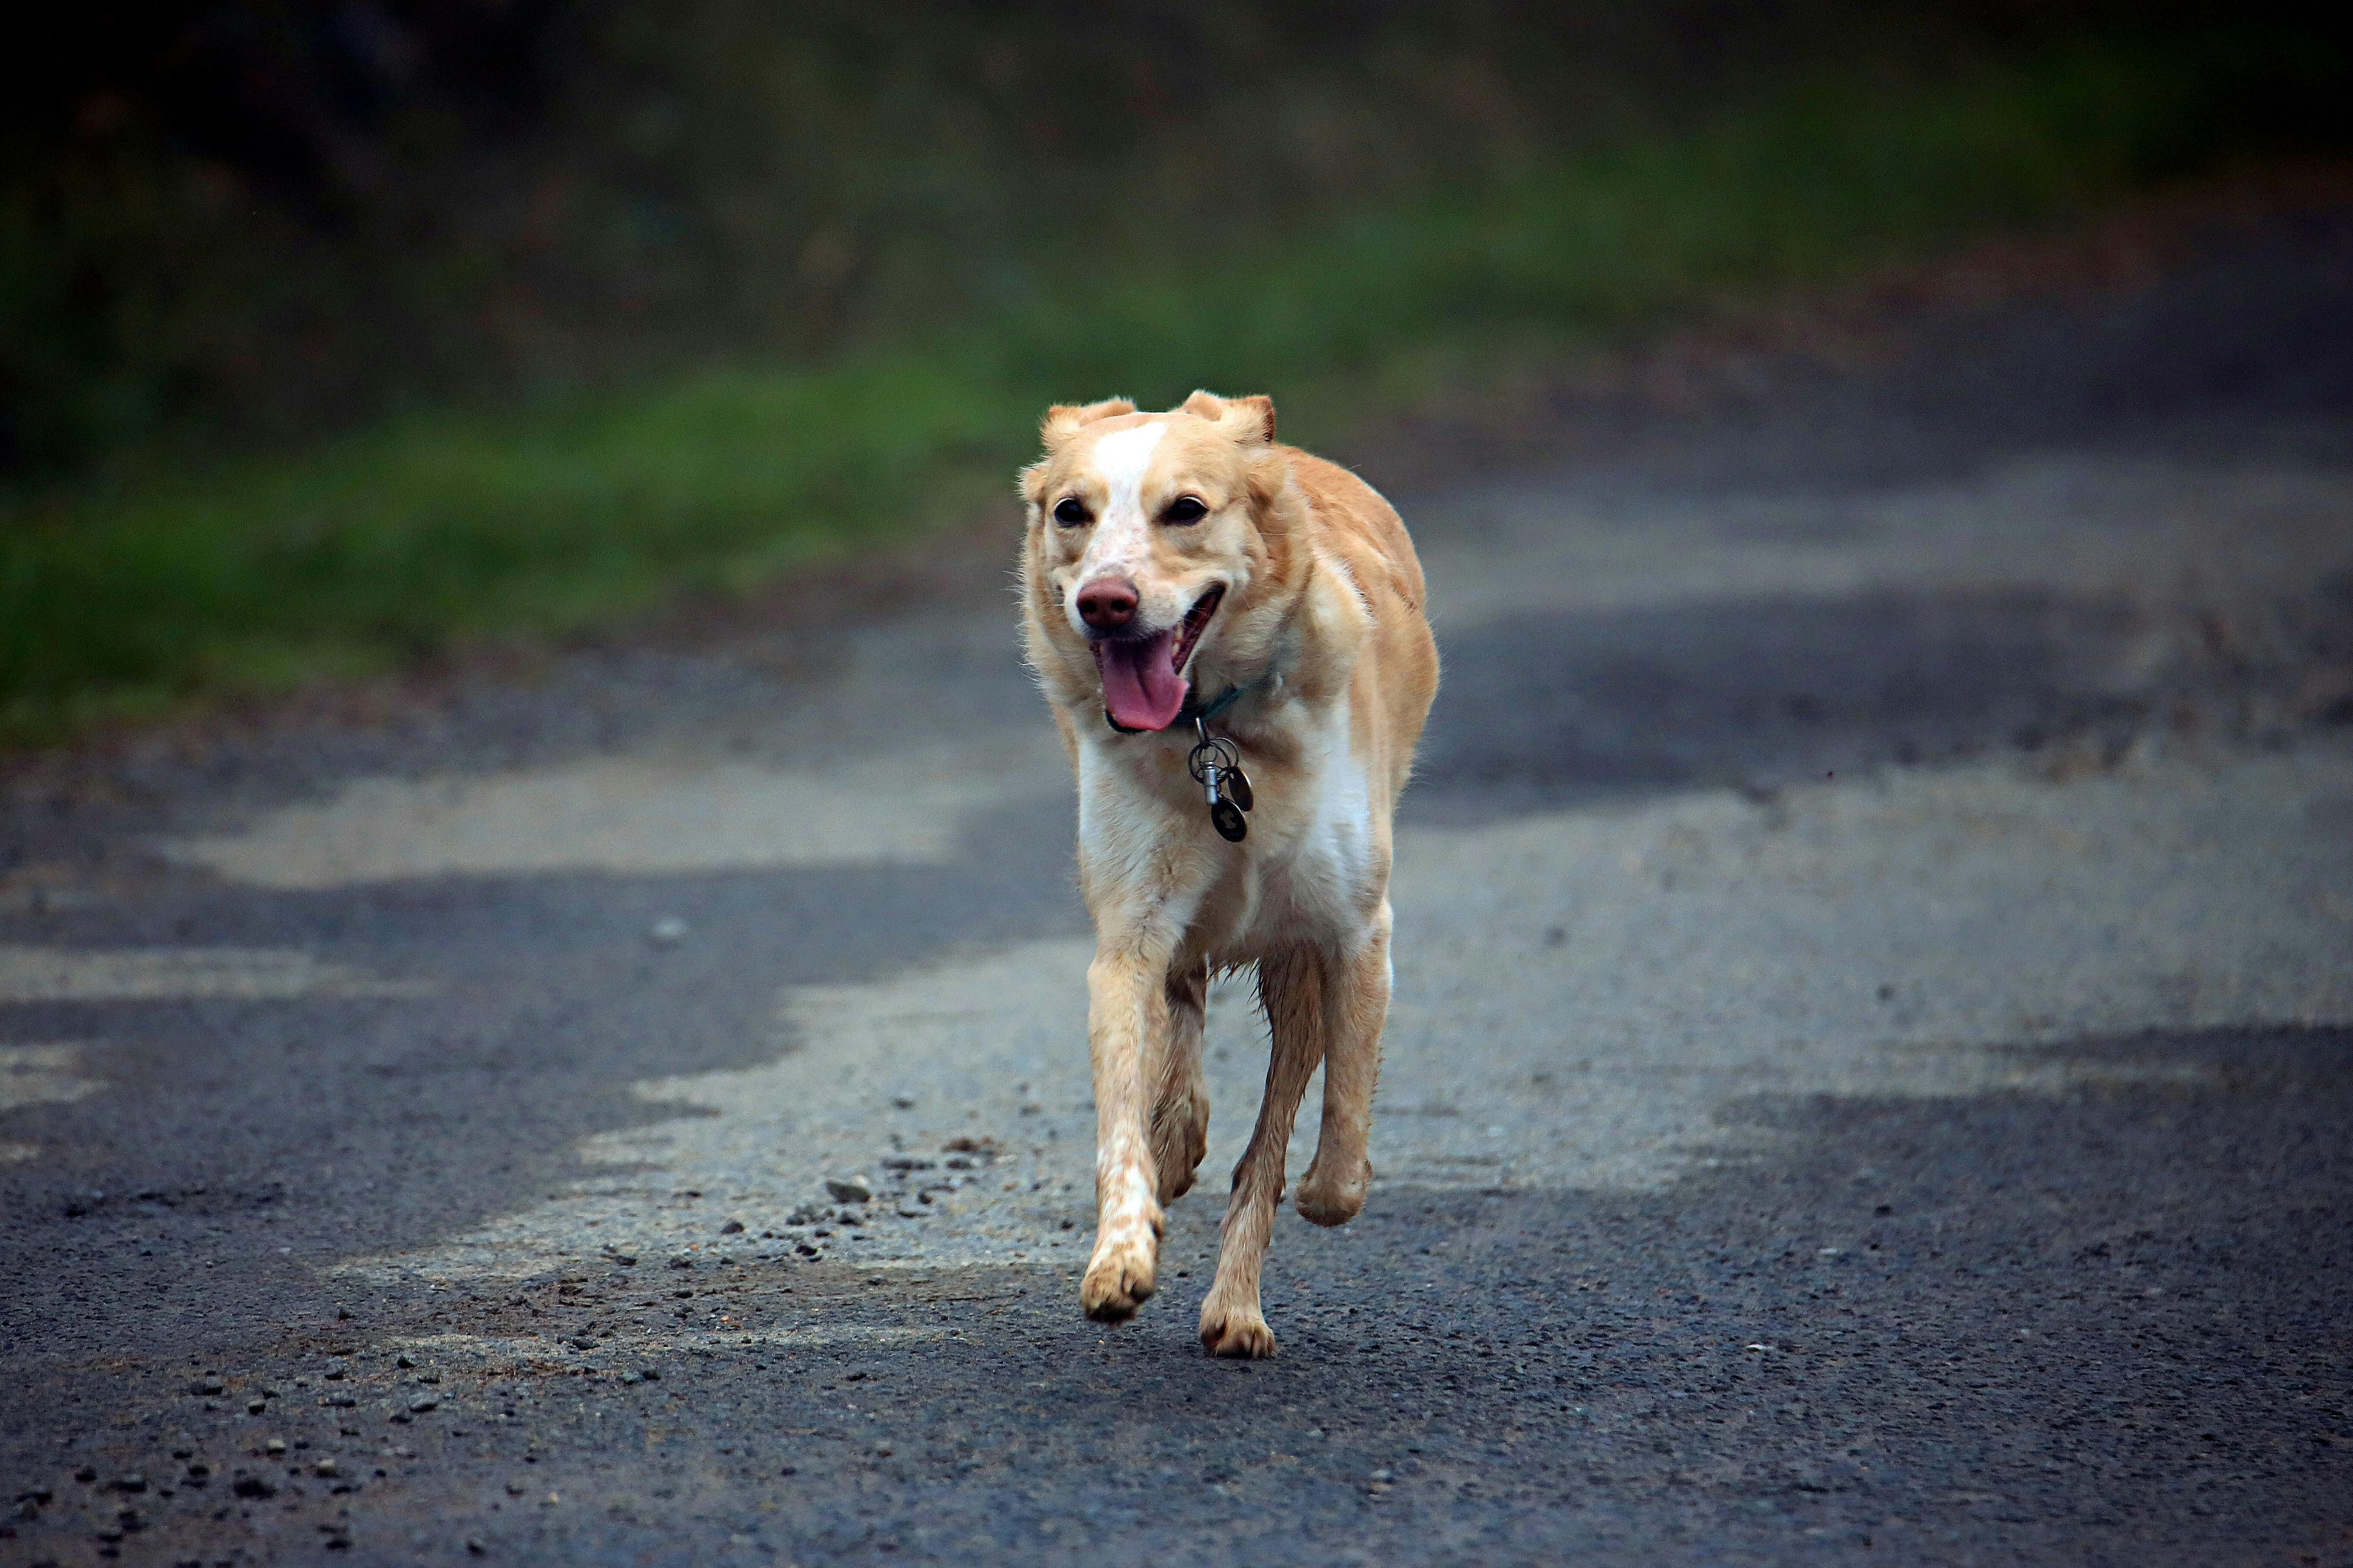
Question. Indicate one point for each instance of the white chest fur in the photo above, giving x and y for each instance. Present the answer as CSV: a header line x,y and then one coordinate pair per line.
x,y
1305,873
1310,875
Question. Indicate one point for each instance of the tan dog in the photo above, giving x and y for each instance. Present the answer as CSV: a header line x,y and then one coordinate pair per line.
x,y
1182,566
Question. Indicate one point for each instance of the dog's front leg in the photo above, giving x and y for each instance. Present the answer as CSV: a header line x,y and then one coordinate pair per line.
x,y
1127,1035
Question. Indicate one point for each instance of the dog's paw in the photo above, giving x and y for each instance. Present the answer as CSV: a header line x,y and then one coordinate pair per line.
x,y
1325,1199
1119,1280
1238,1332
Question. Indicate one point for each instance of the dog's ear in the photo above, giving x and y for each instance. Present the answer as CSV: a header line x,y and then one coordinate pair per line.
x,y
1064,420
1250,420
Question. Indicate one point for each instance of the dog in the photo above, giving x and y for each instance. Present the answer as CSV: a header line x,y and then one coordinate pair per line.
x,y
1231,635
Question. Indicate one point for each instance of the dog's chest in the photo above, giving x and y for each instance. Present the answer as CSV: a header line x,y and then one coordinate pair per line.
x,y
1309,886
1308,870
1304,871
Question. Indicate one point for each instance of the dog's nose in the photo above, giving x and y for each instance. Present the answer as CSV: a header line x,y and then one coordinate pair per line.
x,y
1107,603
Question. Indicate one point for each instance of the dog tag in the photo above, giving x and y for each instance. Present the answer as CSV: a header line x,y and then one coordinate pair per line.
x,y
1224,815
1237,789
1215,764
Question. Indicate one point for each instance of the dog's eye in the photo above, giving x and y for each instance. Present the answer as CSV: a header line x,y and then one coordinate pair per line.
x,y
1070,512
1185,508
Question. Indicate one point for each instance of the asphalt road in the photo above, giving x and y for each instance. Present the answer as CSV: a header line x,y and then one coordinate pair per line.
x,y
1869,1081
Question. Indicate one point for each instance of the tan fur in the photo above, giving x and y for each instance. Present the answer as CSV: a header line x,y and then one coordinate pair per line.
x,y
1322,623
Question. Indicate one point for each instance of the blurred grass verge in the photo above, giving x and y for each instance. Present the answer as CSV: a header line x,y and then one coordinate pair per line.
x,y
426,530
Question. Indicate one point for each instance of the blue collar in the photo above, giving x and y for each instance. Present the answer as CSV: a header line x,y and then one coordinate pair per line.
x,y
1192,711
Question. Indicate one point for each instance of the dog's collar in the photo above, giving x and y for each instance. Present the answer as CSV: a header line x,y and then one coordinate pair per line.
x,y
1193,712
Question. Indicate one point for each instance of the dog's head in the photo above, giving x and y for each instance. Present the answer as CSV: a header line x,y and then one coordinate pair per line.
x,y
1156,557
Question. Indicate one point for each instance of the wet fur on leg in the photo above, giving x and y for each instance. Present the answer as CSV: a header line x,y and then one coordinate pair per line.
x,y
1180,1109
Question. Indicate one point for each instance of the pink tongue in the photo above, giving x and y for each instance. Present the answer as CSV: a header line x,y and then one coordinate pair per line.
x,y
1141,686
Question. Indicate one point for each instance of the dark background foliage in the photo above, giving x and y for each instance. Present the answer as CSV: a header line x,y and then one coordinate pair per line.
x,y
247,223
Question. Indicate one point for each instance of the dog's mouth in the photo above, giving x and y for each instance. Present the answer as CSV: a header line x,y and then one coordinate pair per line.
x,y
1144,677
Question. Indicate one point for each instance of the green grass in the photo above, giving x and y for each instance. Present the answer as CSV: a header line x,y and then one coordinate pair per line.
x,y
428,531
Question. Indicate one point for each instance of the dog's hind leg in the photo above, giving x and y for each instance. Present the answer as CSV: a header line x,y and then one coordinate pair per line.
x,y
1127,1035
1291,987
1180,1107
1333,1190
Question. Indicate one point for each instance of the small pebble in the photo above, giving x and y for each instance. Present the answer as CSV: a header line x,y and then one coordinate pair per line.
x,y
405,1360
275,1446
209,1385
848,1189
133,1482
423,1404
256,1406
732,1227
327,1467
